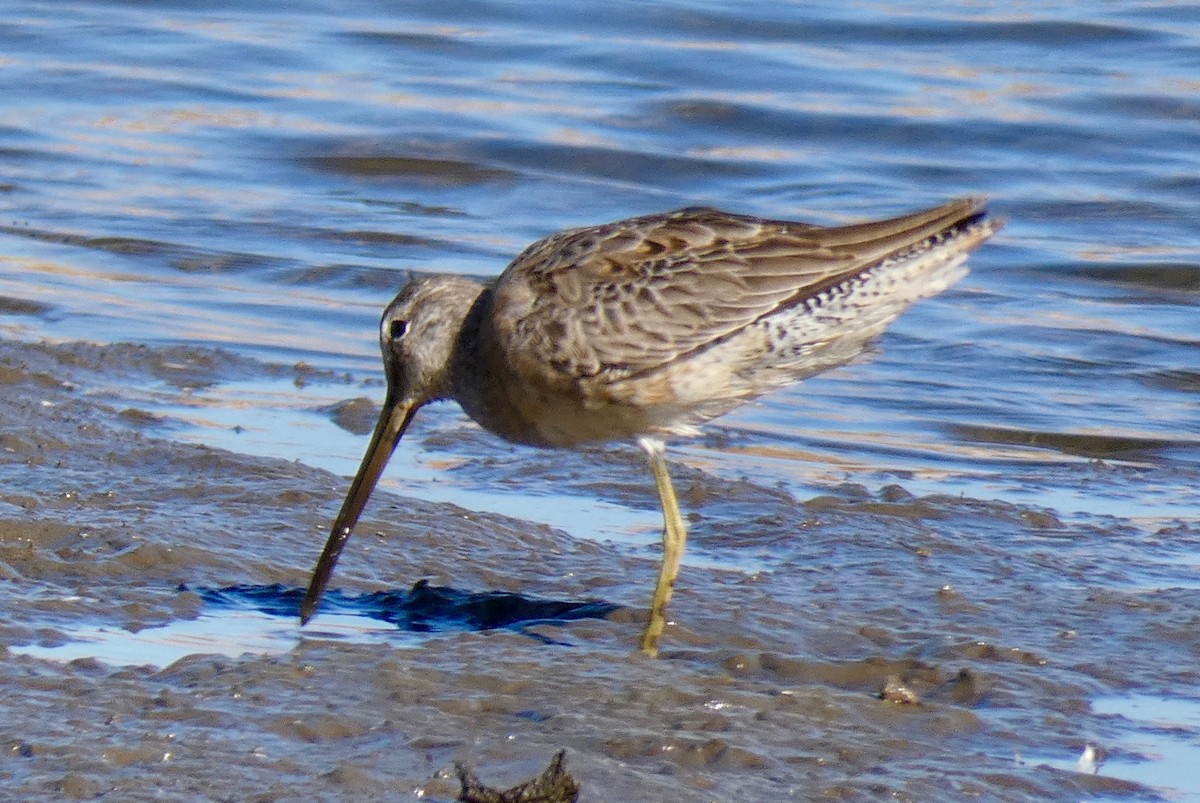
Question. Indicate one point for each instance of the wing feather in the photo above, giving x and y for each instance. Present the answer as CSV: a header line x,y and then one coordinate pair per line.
x,y
611,301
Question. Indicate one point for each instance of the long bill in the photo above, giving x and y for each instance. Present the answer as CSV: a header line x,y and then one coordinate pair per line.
x,y
393,420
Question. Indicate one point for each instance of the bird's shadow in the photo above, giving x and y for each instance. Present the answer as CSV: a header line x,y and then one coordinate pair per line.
x,y
424,608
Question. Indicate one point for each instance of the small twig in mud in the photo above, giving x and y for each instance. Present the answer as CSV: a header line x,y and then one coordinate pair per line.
x,y
555,785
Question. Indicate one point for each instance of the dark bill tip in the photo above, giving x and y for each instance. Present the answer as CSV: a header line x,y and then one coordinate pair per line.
x,y
393,420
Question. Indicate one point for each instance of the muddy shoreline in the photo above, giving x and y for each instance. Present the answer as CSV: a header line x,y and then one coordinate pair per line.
x,y
103,518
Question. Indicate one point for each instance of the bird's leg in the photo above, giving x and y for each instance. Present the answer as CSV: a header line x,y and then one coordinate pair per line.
x,y
674,538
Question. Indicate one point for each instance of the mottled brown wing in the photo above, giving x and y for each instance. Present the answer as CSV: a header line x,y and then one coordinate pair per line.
x,y
616,300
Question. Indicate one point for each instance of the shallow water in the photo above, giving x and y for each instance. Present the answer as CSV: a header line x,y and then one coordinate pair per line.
x,y
203,213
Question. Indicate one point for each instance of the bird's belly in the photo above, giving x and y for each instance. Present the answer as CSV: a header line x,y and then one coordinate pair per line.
x,y
523,412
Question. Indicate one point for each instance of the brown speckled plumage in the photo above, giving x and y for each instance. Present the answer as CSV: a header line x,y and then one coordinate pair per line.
x,y
648,327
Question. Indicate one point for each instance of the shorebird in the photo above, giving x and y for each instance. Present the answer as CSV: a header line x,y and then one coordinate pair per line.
x,y
646,328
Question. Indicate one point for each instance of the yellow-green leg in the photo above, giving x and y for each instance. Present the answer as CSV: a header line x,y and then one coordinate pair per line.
x,y
674,538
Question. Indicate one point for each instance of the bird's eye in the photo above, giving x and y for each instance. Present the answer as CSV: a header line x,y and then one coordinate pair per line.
x,y
396,329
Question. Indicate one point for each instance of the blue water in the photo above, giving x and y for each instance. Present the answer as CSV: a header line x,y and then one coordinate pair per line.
x,y
260,181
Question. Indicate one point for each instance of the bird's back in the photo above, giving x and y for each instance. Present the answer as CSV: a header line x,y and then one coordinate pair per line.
x,y
652,325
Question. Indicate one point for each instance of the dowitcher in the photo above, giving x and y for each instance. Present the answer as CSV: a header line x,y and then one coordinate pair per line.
x,y
646,328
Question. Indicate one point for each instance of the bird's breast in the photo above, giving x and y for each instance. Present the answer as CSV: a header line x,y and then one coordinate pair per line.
x,y
525,399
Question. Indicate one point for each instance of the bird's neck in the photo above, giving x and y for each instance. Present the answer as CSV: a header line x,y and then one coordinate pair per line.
x,y
458,333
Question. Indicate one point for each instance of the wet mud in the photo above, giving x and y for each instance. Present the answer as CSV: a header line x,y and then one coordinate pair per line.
x,y
891,645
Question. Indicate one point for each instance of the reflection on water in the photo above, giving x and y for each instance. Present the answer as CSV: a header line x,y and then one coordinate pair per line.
x,y
232,633
1162,750
264,620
